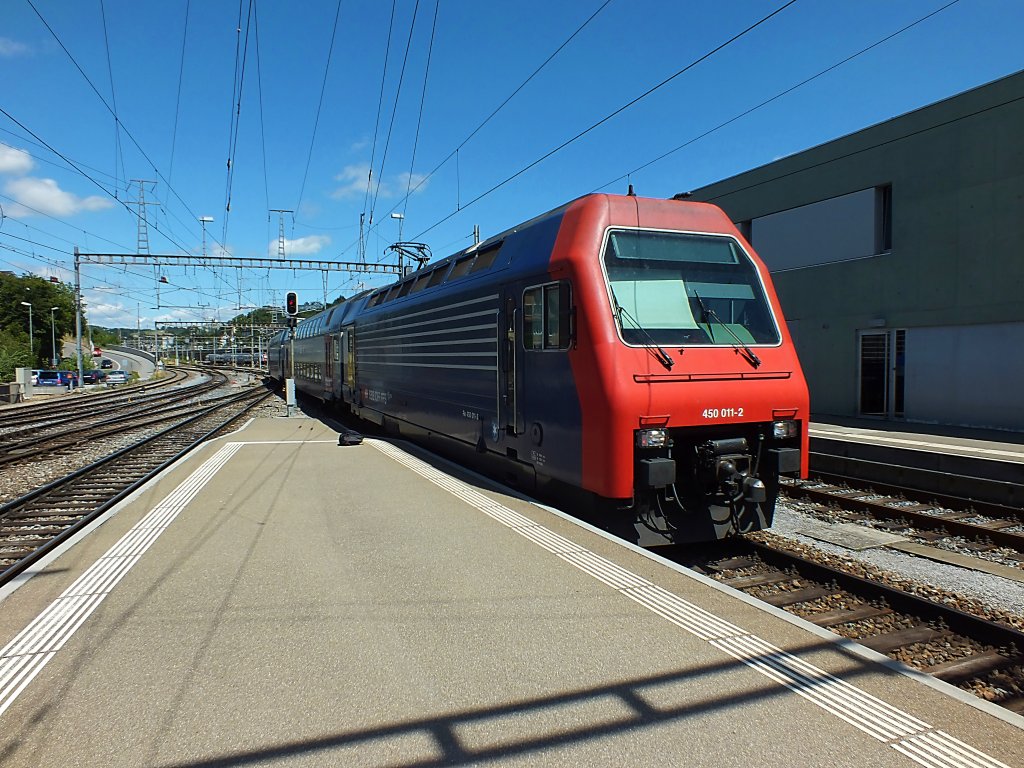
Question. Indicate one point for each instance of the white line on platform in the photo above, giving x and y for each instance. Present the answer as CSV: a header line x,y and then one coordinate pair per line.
x,y
23,658
921,742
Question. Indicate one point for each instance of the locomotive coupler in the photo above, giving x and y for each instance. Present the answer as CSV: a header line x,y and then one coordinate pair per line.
x,y
731,469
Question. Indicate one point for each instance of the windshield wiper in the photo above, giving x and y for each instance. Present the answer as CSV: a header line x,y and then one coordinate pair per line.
x,y
659,353
706,312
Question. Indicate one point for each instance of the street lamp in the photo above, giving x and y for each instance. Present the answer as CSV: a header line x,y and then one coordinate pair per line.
x,y
53,337
31,347
204,220
401,221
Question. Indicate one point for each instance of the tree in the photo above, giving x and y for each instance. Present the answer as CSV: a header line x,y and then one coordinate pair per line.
x,y
41,294
13,352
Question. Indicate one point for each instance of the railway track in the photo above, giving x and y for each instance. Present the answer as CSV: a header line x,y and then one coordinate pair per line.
x,y
69,440
62,408
20,427
983,655
39,521
929,516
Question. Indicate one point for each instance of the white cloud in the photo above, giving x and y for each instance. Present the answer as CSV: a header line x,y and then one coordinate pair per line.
x,y
355,179
300,246
11,48
45,196
14,160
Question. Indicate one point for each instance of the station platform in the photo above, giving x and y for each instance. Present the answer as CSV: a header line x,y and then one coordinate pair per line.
x,y
985,444
278,598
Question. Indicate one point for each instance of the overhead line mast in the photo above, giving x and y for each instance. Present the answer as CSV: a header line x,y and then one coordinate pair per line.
x,y
142,243
280,229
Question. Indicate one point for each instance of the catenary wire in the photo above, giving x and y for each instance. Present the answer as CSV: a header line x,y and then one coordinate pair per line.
x,y
423,98
177,101
236,120
618,111
128,133
454,152
380,105
118,152
394,111
319,106
779,95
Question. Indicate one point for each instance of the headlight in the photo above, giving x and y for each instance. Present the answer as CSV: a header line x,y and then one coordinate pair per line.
x,y
651,438
784,429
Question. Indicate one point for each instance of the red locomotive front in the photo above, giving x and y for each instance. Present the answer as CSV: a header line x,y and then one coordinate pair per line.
x,y
692,397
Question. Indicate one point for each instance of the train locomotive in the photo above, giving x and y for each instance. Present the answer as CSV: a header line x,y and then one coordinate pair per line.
x,y
629,353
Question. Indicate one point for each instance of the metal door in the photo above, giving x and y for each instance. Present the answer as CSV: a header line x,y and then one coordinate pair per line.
x,y
882,368
511,417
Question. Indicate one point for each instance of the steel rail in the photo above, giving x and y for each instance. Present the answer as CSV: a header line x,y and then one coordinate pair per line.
x,y
6,509
919,518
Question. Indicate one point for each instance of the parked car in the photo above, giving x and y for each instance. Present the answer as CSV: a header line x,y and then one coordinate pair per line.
x,y
117,377
49,379
56,379
93,376
35,375
105,363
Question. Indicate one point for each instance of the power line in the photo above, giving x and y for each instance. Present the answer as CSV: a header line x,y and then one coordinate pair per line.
x,y
118,153
779,95
319,106
62,156
177,101
419,119
48,161
861,150
376,125
259,91
236,114
454,152
608,117
116,118
394,112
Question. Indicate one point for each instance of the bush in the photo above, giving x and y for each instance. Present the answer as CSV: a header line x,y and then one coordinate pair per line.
x,y
13,353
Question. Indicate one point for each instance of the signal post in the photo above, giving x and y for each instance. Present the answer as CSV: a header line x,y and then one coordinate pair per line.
x,y
291,308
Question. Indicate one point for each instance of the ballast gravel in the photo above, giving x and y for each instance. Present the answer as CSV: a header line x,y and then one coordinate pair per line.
x,y
997,593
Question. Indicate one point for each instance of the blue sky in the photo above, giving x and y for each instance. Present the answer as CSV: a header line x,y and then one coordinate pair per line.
x,y
65,171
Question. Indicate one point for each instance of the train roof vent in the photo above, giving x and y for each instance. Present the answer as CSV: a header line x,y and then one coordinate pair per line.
x,y
462,267
485,259
437,276
421,282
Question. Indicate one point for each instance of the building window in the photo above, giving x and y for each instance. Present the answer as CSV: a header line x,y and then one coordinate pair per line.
x,y
883,218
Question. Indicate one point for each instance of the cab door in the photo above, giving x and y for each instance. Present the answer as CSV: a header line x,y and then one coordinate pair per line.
x,y
510,382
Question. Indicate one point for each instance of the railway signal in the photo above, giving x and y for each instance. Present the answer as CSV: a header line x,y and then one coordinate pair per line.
x,y
291,304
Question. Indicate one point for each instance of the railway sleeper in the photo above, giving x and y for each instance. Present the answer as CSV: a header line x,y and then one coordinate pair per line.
x,y
784,599
890,641
733,564
847,615
757,580
961,670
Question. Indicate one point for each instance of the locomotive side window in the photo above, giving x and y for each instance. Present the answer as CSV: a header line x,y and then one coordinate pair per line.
x,y
461,268
678,288
546,316
421,282
485,259
437,276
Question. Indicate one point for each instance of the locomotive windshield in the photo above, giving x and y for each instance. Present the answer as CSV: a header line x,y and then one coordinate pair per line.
x,y
679,289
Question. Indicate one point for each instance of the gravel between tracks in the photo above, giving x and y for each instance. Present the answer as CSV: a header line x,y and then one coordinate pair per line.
x,y
999,594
